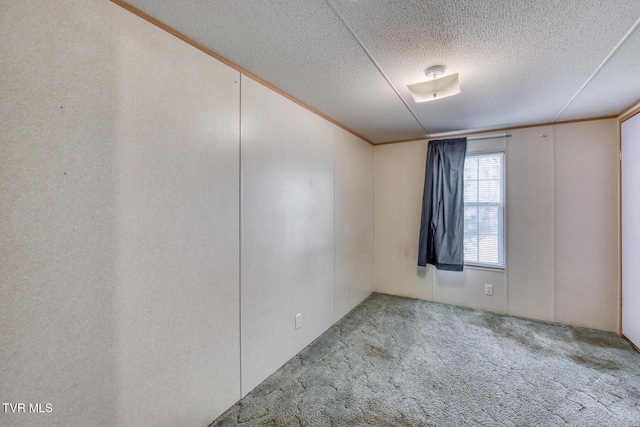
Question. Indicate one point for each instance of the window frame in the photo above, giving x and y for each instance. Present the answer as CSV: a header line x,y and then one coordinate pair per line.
x,y
502,226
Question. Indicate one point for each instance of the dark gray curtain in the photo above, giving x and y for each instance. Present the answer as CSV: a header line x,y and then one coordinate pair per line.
x,y
442,225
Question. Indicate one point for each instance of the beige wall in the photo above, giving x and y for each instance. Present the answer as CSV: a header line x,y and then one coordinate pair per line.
x,y
562,221
120,221
58,246
287,230
399,182
307,228
120,175
629,225
177,228
586,217
530,184
353,222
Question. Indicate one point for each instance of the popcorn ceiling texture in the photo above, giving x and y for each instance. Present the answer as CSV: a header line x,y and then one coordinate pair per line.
x,y
404,362
519,62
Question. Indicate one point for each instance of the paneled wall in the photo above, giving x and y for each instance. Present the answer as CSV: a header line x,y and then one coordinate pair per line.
x,y
287,230
530,223
143,240
58,209
630,224
586,224
177,227
399,183
307,228
562,221
120,221
353,222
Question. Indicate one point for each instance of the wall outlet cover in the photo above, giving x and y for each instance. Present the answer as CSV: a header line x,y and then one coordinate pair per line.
x,y
298,320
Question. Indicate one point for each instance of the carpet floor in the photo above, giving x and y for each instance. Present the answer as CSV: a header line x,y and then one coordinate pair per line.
x,y
396,361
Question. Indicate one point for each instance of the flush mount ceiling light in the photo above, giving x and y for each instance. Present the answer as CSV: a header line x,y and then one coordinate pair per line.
x,y
437,87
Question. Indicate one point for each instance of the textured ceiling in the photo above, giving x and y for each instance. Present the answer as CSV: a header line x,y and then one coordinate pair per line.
x,y
520,62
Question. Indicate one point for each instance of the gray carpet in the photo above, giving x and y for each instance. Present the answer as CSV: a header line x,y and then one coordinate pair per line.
x,y
401,362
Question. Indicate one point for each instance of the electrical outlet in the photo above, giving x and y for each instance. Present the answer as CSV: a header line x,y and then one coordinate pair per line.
x,y
488,289
298,320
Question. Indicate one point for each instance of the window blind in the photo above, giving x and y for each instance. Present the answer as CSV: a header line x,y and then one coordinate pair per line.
x,y
484,210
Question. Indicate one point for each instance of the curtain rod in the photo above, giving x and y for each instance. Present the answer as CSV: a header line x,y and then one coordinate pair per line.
x,y
477,138
471,138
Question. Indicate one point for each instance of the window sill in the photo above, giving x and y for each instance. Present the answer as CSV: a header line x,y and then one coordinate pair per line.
x,y
485,268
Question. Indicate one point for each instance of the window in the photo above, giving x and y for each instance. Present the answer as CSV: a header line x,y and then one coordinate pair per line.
x,y
484,210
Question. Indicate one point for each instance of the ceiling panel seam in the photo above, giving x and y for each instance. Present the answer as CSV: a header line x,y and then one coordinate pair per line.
x,y
373,61
602,64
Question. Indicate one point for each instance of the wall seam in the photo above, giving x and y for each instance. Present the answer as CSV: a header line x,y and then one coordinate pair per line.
x,y
335,234
619,219
373,198
240,79
553,224
506,225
